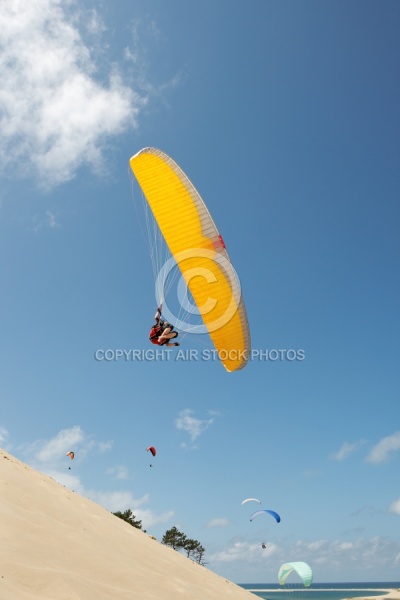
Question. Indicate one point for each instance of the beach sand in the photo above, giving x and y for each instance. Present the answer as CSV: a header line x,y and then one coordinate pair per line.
x,y
393,594
57,545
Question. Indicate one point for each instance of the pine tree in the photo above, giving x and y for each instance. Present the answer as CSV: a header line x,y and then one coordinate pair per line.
x,y
178,541
190,547
130,518
174,538
199,554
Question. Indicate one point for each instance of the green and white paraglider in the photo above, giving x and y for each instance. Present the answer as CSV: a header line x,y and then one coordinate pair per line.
x,y
302,569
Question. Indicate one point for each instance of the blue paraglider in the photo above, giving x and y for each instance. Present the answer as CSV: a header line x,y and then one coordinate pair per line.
x,y
262,512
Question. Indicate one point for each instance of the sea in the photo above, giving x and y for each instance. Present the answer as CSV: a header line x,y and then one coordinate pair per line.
x,y
320,591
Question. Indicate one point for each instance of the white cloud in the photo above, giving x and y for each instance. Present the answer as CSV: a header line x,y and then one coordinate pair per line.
x,y
311,473
54,115
3,435
380,452
244,552
118,472
326,556
346,449
150,519
314,546
120,501
48,221
395,507
68,479
346,546
194,427
368,553
51,220
52,450
50,456
217,522
105,446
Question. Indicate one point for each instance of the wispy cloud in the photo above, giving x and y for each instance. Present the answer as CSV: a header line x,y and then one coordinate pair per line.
x,y
55,115
193,426
50,455
51,450
105,446
367,553
346,449
142,30
217,522
311,473
370,554
3,435
380,452
49,220
118,472
241,551
395,507
120,500
369,511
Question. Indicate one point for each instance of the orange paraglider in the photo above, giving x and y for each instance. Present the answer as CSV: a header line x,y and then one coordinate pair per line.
x,y
71,455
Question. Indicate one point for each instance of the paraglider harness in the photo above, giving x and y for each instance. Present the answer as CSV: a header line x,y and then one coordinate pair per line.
x,y
157,331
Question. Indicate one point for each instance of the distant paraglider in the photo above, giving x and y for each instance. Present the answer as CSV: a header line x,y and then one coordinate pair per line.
x,y
263,512
302,569
71,455
152,450
251,500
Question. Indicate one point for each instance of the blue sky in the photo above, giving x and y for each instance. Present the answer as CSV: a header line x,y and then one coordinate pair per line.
x,y
284,114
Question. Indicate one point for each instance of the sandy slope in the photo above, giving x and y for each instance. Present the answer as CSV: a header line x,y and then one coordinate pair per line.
x,y
57,545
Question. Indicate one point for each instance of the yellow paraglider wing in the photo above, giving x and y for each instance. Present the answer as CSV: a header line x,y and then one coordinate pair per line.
x,y
198,250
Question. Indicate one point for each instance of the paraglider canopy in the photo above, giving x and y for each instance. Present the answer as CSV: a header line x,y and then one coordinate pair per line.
x,y
302,569
200,253
263,512
251,500
152,450
70,454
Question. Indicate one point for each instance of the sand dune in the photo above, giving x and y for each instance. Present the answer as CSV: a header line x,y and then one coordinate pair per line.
x,y
57,545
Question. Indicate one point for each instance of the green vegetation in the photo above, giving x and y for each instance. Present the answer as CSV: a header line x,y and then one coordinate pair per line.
x,y
178,541
172,537
130,518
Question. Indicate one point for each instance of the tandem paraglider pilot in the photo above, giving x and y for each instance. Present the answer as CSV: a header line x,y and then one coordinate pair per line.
x,y
162,332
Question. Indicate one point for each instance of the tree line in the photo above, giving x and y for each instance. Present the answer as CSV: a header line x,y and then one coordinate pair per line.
x,y
172,537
